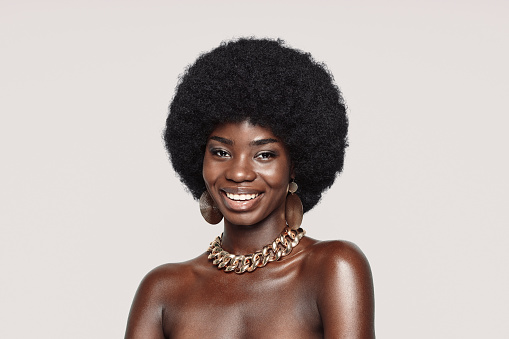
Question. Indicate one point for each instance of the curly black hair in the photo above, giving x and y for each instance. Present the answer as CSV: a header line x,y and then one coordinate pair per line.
x,y
271,85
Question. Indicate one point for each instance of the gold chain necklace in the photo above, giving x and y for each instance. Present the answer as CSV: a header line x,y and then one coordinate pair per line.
x,y
280,247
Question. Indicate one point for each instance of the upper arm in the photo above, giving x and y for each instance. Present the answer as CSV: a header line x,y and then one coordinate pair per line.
x,y
145,317
346,299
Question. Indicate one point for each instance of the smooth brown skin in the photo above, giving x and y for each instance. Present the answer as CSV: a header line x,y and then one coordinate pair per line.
x,y
322,289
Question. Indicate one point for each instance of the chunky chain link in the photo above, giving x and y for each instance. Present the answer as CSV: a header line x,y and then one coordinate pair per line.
x,y
279,248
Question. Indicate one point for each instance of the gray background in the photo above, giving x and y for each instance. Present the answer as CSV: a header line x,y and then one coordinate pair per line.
x,y
89,202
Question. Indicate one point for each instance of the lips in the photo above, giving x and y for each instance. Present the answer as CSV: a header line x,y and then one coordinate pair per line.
x,y
241,197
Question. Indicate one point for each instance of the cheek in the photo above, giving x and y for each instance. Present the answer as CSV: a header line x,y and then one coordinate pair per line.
x,y
277,180
278,177
208,172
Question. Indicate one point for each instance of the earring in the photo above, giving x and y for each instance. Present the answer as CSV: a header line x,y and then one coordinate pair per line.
x,y
293,209
209,210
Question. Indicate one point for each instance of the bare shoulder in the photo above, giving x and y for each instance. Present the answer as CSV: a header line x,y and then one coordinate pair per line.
x,y
171,277
344,286
165,273
340,262
338,252
156,291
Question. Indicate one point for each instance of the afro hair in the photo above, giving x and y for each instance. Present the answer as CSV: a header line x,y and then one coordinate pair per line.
x,y
271,85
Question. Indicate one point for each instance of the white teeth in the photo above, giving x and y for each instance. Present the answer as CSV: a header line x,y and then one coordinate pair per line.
x,y
241,197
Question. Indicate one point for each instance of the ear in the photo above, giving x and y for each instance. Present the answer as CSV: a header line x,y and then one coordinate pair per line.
x,y
292,172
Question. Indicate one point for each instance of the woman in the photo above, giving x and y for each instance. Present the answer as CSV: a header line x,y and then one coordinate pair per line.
x,y
255,128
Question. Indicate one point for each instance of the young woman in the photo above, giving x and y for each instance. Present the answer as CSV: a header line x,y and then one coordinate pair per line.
x,y
257,131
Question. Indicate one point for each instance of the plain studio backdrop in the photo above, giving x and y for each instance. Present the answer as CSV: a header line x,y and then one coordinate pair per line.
x,y
89,202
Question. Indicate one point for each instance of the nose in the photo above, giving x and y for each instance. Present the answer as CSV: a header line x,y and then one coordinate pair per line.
x,y
240,169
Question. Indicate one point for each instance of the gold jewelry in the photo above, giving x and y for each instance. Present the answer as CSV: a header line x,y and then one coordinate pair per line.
x,y
209,210
293,208
279,248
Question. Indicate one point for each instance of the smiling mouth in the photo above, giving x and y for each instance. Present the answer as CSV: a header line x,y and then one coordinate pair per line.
x,y
241,197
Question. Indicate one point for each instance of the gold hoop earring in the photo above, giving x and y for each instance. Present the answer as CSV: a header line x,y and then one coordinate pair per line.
x,y
294,210
209,210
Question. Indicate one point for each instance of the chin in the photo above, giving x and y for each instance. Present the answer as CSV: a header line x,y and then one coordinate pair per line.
x,y
242,221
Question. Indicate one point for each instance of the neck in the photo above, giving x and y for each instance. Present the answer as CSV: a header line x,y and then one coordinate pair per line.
x,y
246,239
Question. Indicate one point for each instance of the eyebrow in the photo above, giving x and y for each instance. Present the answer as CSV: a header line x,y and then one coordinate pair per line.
x,y
258,142
262,142
222,140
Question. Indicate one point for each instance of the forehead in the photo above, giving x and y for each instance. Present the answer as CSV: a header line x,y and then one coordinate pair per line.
x,y
238,131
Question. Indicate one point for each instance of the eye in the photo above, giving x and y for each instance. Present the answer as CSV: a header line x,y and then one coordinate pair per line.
x,y
265,155
221,153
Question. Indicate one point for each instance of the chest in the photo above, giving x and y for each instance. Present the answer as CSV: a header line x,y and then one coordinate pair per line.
x,y
233,306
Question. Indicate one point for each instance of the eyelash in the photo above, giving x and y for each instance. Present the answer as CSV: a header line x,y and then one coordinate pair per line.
x,y
262,155
266,153
220,153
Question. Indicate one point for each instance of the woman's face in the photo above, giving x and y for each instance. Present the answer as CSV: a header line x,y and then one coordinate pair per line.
x,y
246,169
